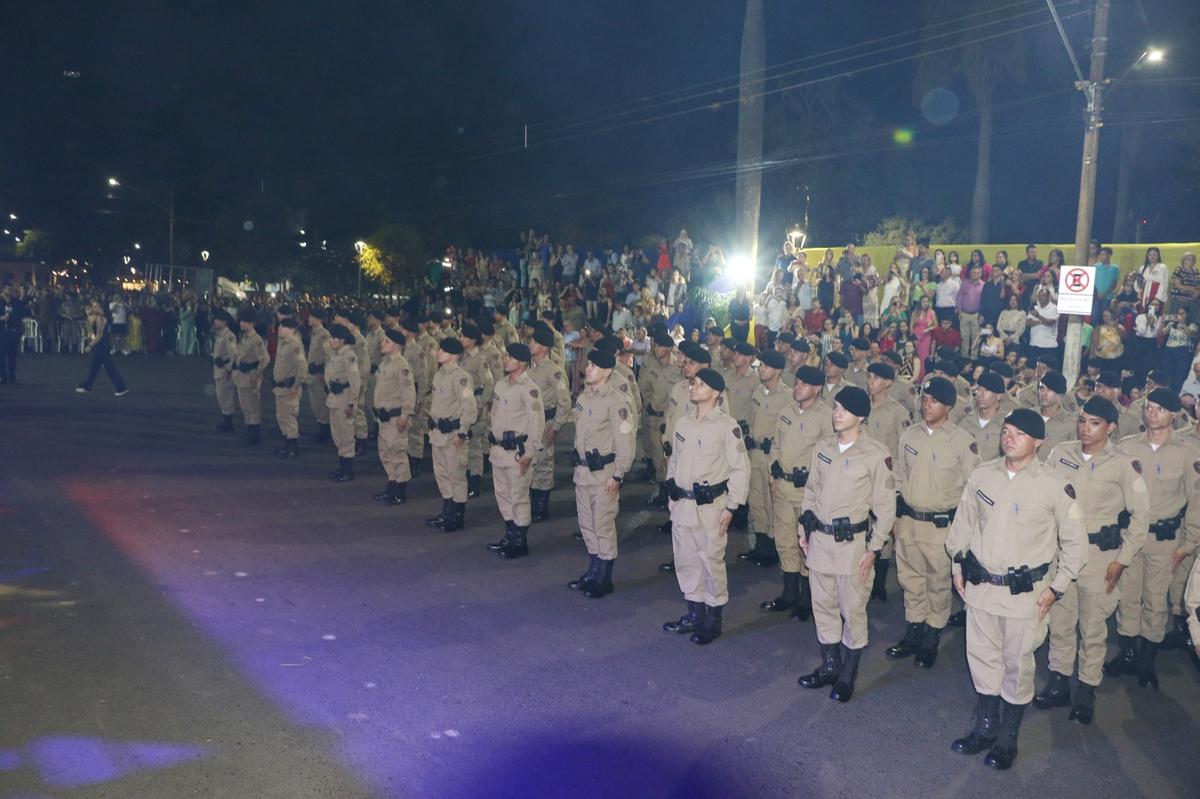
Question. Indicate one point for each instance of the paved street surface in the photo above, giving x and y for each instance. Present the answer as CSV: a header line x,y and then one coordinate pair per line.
x,y
181,615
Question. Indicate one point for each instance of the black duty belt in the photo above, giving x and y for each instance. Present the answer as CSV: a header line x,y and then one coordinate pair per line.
x,y
551,413
651,412
592,459
700,494
797,477
247,367
742,423
220,363
387,414
338,386
939,518
374,368
316,368
509,440
1109,536
1019,580
764,444
841,528
445,425
286,383
1165,529
479,391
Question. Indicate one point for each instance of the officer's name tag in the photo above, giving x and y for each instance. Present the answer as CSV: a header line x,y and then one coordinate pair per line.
x,y
823,457
1068,463
910,449
784,419
984,497
679,437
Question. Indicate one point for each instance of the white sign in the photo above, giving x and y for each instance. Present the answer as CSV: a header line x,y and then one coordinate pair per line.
x,y
1076,288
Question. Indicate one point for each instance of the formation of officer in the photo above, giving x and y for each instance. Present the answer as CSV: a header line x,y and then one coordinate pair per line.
x,y
343,381
395,403
224,354
452,411
1060,422
693,359
767,401
547,374
515,431
319,353
478,361
419,355
659,373
249,364
887,420
288,374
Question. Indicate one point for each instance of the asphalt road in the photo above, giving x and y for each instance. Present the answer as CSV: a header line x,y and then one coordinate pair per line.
x,y
181,615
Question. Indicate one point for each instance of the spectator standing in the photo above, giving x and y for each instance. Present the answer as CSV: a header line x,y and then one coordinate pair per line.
x,y
682,247
1030,270
1108,276
967,302
920,261
993,297
1152,280
853,292
923,322
569,263
1185,287
1043,325
119,312
1179,347
945,303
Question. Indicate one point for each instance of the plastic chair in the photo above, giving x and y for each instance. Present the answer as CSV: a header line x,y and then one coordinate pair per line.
x,y
30,334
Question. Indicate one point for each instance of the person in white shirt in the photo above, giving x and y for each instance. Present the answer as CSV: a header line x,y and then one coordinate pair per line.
x,y
1152,280
1043,325
677,291
776,313
622,318
120,328
946,298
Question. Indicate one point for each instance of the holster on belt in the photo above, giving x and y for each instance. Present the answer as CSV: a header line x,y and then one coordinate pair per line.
x,y
1165,529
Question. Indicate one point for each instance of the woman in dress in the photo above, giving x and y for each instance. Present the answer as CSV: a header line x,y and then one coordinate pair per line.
x,y
187,329
1152,279
925,286
135,329
923,322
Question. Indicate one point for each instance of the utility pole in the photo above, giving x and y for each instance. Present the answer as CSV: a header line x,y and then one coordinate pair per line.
x,y
748,191
171,227
1092,89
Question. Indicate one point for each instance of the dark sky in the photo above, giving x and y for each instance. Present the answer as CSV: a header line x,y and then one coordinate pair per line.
x,y
344,116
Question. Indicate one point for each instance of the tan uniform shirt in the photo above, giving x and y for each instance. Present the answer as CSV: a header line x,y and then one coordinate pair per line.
x,y
374,344
796,435
830,392
887,421
291,367
394,386
517,407
603,422
1062,426
251,350
414,353
933,465
343,368
318,351
453,398
506,334
1105,485
856,376
987,436
1170,474
707,450
360,352
738,390
625,383
907,395
552,383
225,350
475,362
765,407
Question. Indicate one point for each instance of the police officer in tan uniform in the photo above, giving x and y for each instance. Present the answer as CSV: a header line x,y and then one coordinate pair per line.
x,y
318,356
740,383
354,322
224,349
806,420
249,364
1129,423
1191,602
505,333
836,364
603,453
769,399
932,466
1170,470
548,376
984,421
887,420
1017,520
1060,423
658,374
850,479
342,381
707,478
516,427
374,342
452,411
856,372
1112,494
416,354
694,358
289,371
476,362
395,401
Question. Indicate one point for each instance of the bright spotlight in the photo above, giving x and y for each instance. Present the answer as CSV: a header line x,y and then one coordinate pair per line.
x,y
1155,54
741,270
114,182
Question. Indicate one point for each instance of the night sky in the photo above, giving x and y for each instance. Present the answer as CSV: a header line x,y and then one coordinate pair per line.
x,y
341,117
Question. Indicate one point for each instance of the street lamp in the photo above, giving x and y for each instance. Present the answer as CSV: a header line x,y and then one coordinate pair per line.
x,y
114,182
359,246
1154,55
13,217
168,209
204,256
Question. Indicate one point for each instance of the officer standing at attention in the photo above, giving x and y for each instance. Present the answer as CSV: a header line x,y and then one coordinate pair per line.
x,y
806,420
290,369
933,464
517,424
695,358
505,333
657,376
477,366
740,384
887,420
856,372
1129,423
1169,469
769,399
318,356
225,349
1060,423
374,339
850,478
1014,511
984,422
1112,494
342,381
835,369
452,411
551,382
354,323
395,402
603,454
415,354
251,361
707,479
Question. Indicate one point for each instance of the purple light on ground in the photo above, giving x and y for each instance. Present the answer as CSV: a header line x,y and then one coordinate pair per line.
x,y
72,762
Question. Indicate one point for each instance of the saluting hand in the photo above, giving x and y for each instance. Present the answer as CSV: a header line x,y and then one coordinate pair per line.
x,y
1111,575
724,522
1044,602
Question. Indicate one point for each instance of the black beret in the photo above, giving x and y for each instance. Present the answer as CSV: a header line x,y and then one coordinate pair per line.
x,y
396,336
319,313
742,348
501,309
663,339
375,312
773,359
1159,377
788,337
942,390
1028,421
991,381
1055,381
411,325
855,400
452,345
393,311
861,343
602,358
713,378
1099,406
1110,379
811,375
606,345
892,356
1165,397
838,359
355,318
289,322
342,332
945,366
882,370
487,327
1003,369
520,352
471,330
695,352
730,343
1049,361
223,315
715,331
801,345
246,313
543,336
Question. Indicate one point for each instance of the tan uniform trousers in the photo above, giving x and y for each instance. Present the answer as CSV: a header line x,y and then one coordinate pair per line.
x,y
226,395
316,399
250,400
369,400
923,570
360,415
1179,579
478,445
1000,654
1084,605
450,470
543,469
762,507
342,431
1142,608
511,487
597,513
416,431
393,452
652,444
287,412
785,531
968,328
839,604
700,557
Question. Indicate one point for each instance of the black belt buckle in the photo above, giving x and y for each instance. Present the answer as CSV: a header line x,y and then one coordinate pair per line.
x,y
1164,532
703,494
841,529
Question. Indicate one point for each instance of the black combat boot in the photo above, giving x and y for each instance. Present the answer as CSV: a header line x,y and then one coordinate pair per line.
x,y
360,446
346,471
323,433
454,521
827,672
755,551
843,689
1083,704
386,494
667,568
688,622
293,448
879,587
769,555
602,585
1125,661
788,599
914,633
337,473
957,619
1004,751
400,495
803,609
1145,664
1177,634
983,734
226,424
539,504
496,546
472,485
518,545
664,529
253,434
585,579
414,466
928,651
1056,694
440,519
711,629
